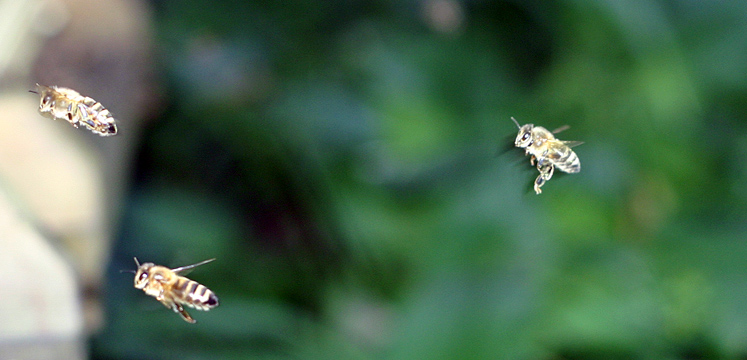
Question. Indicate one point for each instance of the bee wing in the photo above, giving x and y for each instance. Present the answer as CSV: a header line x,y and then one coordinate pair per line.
x,y
562,128
572,143
184,270
40,89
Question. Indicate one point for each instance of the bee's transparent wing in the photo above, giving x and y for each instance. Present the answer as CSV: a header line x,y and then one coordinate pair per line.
x,y
184,270
572,143
562,128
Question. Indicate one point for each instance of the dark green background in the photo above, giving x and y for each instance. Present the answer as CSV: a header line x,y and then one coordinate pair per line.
x,y
350,165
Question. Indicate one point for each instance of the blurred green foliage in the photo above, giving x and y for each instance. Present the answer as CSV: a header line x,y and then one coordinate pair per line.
x,y
339,159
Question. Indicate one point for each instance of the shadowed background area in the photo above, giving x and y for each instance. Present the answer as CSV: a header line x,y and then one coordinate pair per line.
x,y
351,166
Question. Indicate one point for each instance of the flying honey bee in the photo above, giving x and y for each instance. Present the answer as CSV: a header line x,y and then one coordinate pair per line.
x,y
67,104
174,290
547,151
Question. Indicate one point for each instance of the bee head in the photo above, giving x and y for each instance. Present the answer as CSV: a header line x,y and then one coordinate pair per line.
x,y
51,104
524,137
46,103
142,274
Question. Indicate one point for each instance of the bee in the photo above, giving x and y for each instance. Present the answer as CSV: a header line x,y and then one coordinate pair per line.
x,y
174,290
547,151
67,104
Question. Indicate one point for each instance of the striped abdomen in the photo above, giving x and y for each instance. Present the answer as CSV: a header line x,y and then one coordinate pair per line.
x,y
194,294
95,117
563,157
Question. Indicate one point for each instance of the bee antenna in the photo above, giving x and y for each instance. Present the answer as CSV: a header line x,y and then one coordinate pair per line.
x,y
516,122
137,262
33,91
127,271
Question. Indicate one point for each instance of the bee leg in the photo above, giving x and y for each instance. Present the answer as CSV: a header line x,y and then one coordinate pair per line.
x,y
547,171
543,162
179,309
545,175
538,183
532,159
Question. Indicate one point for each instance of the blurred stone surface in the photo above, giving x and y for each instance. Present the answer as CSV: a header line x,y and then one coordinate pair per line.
x,y
61,187
54,177
42,317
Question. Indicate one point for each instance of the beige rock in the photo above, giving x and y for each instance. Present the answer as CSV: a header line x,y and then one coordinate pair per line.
x,y
61,187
